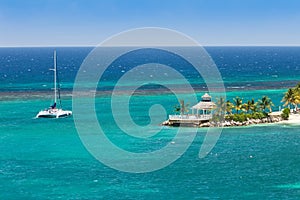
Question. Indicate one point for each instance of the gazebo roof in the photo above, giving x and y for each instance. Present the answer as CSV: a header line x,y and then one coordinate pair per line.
x,y
206,96
202,105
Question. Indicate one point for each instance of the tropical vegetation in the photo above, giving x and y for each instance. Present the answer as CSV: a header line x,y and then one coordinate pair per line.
x,y
182,108
285,114
292,97
239,111
264,105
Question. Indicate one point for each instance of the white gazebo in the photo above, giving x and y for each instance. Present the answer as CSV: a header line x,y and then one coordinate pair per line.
x,y
203,113
204,107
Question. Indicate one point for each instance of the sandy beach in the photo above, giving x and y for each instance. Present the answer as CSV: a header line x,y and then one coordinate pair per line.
x,y
293,119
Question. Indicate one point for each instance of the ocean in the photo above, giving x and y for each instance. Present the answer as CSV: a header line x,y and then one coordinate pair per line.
x,y
46,158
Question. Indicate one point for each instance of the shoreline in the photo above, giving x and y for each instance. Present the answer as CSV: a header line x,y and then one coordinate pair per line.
x,y
294,119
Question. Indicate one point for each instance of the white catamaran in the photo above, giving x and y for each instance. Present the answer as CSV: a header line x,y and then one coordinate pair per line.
x,y
53,111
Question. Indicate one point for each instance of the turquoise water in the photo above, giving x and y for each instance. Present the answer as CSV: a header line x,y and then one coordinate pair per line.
x,y
45,158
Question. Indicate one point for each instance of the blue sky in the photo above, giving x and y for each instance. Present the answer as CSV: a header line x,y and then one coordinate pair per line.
x,y
88,22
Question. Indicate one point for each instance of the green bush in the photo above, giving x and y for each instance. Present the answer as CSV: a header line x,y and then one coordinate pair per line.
x,y
242,117
248,116
285,114
239,117
256,115
229,117
218,118
259,115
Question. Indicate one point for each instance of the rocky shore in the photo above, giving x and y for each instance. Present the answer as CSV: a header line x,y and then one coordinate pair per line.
x,y
244,123
232,123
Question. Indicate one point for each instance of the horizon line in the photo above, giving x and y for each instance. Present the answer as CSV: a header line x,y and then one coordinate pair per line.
x,y
93,46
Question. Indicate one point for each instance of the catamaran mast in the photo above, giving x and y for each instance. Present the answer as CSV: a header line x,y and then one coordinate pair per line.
x,y
55,90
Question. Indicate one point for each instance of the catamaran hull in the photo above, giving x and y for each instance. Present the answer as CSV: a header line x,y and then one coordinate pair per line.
x,y
53,114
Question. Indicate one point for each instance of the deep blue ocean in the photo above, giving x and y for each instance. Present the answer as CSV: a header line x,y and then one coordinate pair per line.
x,y
45,158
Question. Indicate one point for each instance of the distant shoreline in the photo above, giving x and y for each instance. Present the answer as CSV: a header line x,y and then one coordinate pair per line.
x,y
33,94
201,86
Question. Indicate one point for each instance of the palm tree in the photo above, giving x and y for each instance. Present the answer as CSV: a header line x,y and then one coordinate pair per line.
x,y
296,91
292,96
247,106
297,101
229,107
238,102
183,107
220,106
266,102
253,105
288,97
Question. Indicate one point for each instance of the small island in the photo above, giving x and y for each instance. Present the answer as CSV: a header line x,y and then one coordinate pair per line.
x,y
222,113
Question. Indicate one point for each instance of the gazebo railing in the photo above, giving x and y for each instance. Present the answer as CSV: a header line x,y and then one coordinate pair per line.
x,y
190,117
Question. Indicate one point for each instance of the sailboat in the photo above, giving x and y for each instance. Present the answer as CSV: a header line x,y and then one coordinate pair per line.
x,y
53,111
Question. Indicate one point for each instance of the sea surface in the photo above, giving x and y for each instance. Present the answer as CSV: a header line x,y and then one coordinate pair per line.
x,y
46,159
